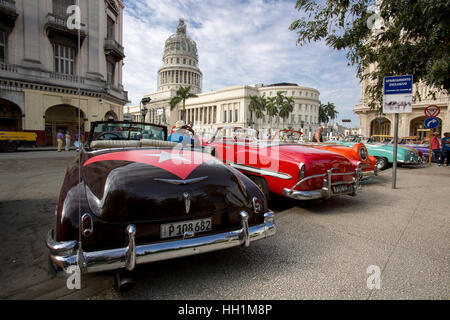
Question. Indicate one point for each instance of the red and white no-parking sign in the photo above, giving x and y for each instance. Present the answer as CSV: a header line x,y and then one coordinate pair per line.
x,y
432,111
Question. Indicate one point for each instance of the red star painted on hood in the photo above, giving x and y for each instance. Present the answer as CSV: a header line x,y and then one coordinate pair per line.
x,y
179,162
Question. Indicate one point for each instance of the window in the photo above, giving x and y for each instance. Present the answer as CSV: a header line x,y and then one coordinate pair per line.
x,y
111,27
230,115
178,60
292,118
293,93
224,115
110,72
299,118
60,7
236,116
3,40
184,60
64,59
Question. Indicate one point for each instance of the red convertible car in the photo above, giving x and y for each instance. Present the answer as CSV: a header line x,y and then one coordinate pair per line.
x,y
284,168
358,154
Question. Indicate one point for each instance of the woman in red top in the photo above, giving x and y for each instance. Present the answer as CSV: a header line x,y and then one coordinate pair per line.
x,y
436,147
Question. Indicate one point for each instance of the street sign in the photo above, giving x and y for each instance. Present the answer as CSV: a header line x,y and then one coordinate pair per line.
x,y
432,111
346,120
397,98
431,123
397,94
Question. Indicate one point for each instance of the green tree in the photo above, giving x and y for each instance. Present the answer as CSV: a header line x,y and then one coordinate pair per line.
x,y
412,37
287,106
182,94
271,111
331,111
323,115
257,106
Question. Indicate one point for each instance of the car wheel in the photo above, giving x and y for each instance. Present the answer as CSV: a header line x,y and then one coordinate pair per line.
x,y
382,163
262,185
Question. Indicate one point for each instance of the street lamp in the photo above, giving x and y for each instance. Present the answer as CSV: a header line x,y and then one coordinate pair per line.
x,y
144,110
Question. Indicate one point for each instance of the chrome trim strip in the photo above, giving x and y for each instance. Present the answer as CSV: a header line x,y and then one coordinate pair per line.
x,y
131,255
176,181
260,171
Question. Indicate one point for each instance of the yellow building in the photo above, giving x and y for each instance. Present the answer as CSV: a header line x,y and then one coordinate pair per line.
x,y
39,63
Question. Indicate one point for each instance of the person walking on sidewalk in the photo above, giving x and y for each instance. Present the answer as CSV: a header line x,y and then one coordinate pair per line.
x,y
67,140
446,148
59,139
436,148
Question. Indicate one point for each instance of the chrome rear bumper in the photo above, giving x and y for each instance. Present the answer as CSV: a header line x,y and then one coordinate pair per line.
x,y
327,190
65,254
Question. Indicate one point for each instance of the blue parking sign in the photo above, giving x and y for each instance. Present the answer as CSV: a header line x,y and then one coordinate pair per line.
x,y
431,123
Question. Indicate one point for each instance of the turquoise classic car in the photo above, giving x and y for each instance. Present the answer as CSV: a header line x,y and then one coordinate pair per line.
x,y
384,153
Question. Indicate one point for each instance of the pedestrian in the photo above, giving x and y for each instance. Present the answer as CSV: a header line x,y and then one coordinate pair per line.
x,y
77,142
445,148
67,140
436,148
59,139
318,136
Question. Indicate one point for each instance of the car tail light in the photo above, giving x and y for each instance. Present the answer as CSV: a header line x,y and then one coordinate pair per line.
x,y
301,170
256,205
87,225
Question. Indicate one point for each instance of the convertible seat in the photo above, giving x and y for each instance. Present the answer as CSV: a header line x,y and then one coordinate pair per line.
x,y
157,143
108,144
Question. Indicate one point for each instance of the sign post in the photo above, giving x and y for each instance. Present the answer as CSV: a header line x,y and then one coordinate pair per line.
x,y
397,98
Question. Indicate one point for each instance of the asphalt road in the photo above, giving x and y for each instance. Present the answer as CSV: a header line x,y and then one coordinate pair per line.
x,y
321,250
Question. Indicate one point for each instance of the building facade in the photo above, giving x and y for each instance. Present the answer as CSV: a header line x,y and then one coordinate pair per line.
x,y
373,123
39,63
224,107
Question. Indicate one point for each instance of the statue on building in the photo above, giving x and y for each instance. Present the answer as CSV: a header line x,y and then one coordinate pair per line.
x,y
181,29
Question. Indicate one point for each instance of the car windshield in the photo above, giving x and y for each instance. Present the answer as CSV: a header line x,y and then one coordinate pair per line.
x,y
127,131
236,134
287,135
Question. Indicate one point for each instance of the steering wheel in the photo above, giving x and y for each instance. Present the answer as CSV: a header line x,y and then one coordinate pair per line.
x,y
103,136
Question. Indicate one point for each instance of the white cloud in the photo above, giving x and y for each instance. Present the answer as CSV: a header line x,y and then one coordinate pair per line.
x,y
239,42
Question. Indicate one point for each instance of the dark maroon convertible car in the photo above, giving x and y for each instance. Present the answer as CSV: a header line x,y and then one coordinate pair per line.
x,y
131,197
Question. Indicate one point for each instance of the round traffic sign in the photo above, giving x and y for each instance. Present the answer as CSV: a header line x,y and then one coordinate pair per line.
x,y
432,111
431,123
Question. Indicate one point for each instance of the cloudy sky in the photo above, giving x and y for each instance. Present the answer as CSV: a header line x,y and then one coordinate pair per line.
x,y
239,43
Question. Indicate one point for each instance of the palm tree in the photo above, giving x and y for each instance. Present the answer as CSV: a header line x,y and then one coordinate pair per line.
x,y
323,115
182,94
287,106
331,110
257,105
271,110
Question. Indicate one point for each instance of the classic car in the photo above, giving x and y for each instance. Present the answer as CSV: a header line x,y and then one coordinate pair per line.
x,y
358,154
132,201
384,153
422,146
286,169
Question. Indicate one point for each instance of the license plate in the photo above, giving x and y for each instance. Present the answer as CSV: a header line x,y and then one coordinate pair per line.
x,y
176,229
340,188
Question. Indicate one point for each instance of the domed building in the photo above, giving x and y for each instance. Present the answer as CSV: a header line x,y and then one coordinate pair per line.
x,y
180,63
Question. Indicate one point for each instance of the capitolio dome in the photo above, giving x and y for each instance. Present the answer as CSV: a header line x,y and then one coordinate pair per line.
x,y
180,62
